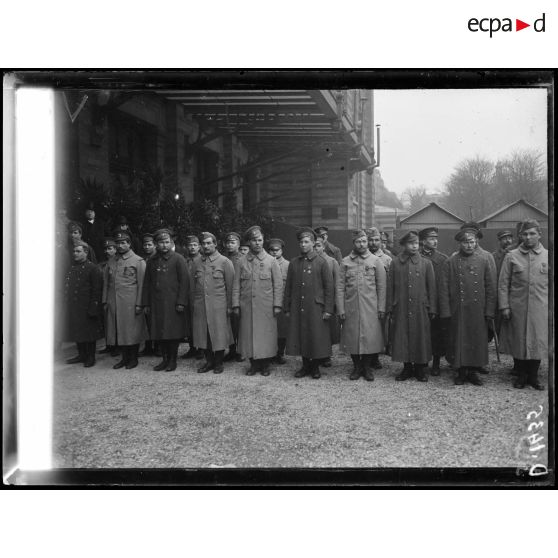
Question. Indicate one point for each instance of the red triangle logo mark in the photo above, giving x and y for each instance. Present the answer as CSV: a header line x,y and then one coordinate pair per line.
x,y
519,25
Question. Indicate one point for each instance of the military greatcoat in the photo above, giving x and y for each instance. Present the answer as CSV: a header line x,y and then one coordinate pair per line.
x,y
190,263
438,326
523,289
362,285
309,293
212,295
282,319
83,288
385,258
257,290
165,286
468,295
332,251
122,292
334,322
411,296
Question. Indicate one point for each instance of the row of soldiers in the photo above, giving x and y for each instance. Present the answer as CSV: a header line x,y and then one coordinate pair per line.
x,y
417,306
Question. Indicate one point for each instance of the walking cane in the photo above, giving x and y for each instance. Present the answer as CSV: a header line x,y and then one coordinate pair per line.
x,y
496,341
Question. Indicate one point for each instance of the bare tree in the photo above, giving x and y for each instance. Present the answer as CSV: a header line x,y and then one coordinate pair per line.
x,y
415,197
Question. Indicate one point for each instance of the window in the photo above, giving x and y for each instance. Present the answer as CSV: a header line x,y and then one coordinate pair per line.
x,y
331,212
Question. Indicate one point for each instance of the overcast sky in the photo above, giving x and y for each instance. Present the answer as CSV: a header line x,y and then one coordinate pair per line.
x,y
425,133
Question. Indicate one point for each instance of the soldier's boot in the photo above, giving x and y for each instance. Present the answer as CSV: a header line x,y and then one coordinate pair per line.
x,y
80,356
515,369
326,362
163,346
147,349
106,350
209,363
253,368
357,367
219,368
231,355
315,368
420,372
281,345
473,378
367,367
115,351
461,376
304,370
199,354
173,355
435,366
264,367
522,372
533,374
133,351
124,351
90,354
406,373
375,362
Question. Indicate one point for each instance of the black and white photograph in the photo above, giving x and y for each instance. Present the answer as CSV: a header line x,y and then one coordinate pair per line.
x,y
294,272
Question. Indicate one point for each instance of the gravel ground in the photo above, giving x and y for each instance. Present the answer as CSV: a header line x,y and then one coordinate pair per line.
x,y
141,418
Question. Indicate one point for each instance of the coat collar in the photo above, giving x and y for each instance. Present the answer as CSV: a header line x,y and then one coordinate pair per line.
x,y
403,257
354,255
127,255
261,256
211,258
524,250
310,256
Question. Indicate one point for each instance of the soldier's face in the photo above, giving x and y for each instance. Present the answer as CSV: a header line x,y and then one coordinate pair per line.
x,y
319,246
256,243
412,247
360,245
468,244
531,238
506,242
80,255
276,251
148,247
232,245
110,252
431,242
89,214
244,250
193,248
122,246
306,244
76,234
208,246
374,243
164,245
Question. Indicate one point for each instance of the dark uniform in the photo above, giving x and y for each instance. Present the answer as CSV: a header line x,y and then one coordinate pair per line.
x,y
190,264
234,319
329,248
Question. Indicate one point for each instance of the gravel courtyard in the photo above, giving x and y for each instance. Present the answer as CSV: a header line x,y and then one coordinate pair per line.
x,y
141,418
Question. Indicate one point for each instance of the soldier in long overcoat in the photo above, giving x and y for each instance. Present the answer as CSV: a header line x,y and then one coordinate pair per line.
x,y
149,251
257,299
83,287
523,302
412,303
329,248
193,256
232,251
275,247
334,321
109,251
438,326
505,242
166,297
309,301
212,295
361,306
122,294
375,244
469,298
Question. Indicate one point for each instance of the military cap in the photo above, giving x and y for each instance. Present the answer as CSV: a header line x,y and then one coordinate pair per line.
x,y
529,224
161,234
461,235
232,236
428,231
471,226
206,235
74,226
372,231
276,242
122,220
321,230
192,238
108,241
306,231
147,237
251,232
244,242
122,235
358,234
504,233
83,244
384,235
410,236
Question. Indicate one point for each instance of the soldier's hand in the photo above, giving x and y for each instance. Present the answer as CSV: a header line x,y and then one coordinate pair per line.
x,y
342,317
229,311
236,311
147,310
288,314
381,315
431,315
139,310
506,314
277,310
326,316
180,308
